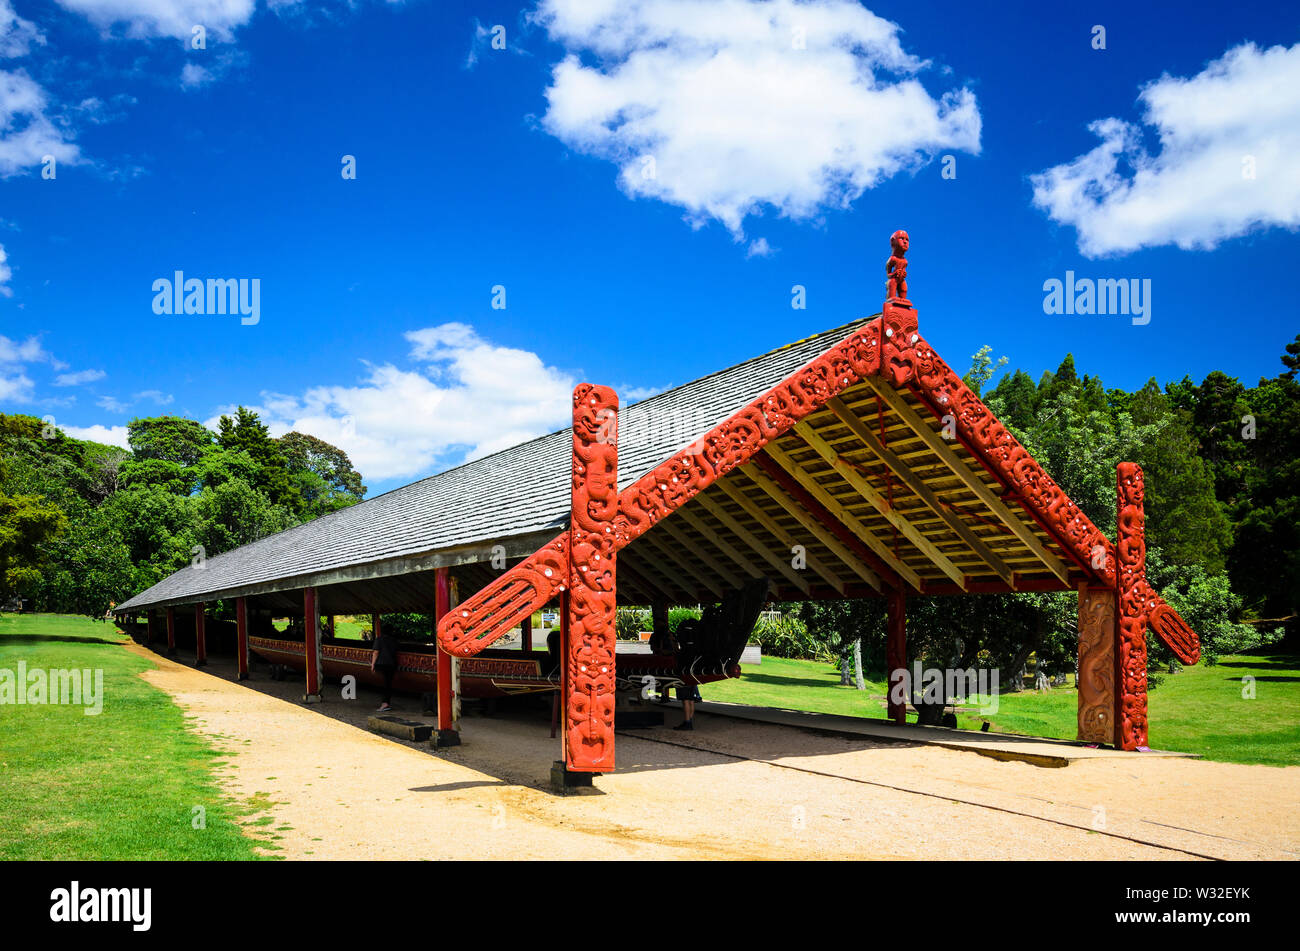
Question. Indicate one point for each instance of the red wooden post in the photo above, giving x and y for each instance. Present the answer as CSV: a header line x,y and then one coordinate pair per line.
x,y
200,636
589,685
312,626
526,633
171,632
447,734
241,637
1131,609
896,648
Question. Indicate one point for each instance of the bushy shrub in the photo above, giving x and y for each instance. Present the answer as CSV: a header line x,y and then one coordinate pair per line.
x,y
630,622
677,615
787,636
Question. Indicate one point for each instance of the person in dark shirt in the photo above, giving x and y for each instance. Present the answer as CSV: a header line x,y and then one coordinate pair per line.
x,y
384,662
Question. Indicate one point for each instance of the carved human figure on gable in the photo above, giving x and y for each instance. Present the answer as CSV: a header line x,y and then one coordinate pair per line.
x,y
896,267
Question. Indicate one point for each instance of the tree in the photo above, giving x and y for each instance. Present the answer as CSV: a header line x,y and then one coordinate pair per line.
x,y
27,522
322,473
245,432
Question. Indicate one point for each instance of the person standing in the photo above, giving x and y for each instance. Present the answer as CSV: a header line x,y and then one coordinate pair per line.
x,y
383,661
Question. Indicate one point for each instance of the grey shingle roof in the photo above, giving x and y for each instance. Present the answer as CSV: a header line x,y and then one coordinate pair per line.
x,y
515,492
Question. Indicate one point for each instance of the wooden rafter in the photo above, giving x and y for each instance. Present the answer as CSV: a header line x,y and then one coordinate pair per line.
x,y
839,512
940,447
923,491
756,512
755,544
879,502
675,559
680,536
746,564
813,527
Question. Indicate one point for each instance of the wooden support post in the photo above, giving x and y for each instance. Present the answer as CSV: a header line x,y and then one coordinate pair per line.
x,y
526,633
1096,677
171,632
660,632
200,636
311,625
896,649
447,734
241,638
1130,609
590,597
375,627
148,620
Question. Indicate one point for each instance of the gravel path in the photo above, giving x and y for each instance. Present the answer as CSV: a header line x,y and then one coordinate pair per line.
x,y
729,789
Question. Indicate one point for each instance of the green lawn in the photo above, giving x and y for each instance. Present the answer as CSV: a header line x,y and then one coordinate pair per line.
x,y
122,784
1200,710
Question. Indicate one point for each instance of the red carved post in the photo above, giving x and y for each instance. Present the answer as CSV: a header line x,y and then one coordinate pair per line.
x,y
241,637
1096,678
200,636
311,625
896,648
1130,640
447,733
171,632
589,653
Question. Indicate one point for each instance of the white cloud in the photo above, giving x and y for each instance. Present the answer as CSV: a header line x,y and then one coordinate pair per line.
x,y
78,378
145,19
27,134
156,396
746,105
469,397
6,272
111,435
112,405
1241,114
29,351
17,36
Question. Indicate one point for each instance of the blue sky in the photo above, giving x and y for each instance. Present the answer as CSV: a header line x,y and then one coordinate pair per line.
x,y
775,165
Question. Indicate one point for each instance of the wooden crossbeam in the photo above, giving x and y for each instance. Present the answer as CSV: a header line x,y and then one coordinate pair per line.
x,y
923,491
755,511
643,588
661,581
755,544
940,447
686,541
879,502
686,569
840,513
812,526
746,564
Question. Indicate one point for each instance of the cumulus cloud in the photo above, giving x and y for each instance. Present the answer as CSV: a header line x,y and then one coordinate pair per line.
x,y
27,134
727,108
466,397
111,435
144,19
1228,138
6,272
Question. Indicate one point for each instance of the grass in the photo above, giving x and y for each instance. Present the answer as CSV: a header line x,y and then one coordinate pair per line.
x,y
128,783
1199,710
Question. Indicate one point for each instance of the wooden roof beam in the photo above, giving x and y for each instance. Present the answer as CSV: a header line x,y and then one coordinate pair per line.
x,y
812,526
746,564
838,512
680,536
680,563
755,544
918,486
895,401
879,502
755,511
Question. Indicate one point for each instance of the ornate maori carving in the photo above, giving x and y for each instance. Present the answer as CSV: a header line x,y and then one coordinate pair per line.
x,y
896,267
589,684
533,583
1096,665
1131,589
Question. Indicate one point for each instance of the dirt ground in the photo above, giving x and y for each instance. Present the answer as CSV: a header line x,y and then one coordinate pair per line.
x,y
729,790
